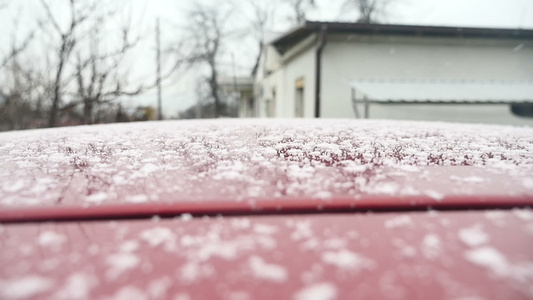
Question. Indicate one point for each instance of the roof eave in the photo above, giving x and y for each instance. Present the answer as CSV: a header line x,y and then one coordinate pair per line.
x,y
308,27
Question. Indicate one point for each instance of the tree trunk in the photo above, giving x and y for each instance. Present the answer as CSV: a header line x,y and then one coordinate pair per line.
x,y
88,111
54,110
213,84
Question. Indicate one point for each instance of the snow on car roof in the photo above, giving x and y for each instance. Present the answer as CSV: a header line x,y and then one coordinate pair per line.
x,y
413,255
238,160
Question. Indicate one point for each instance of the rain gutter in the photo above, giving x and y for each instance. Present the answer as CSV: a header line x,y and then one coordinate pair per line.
x,y
318,67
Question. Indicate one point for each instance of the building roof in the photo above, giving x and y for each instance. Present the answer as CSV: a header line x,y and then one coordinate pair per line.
x,y
240,81
286,41
443,91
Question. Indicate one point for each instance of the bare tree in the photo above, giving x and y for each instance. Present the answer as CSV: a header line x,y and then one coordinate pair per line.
x,y
263,14
83,68
23,92
300,8
90,68
16,49
68,39
18,83
15,105
369,11
99,79
207,30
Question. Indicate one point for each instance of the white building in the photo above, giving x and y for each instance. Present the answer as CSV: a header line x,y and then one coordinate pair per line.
x,y
342,70
239,90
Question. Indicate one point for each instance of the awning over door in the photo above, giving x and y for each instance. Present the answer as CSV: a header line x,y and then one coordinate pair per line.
x,y
443,91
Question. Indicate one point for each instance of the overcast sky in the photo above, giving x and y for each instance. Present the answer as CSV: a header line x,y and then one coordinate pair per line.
x,y
179,92
478,13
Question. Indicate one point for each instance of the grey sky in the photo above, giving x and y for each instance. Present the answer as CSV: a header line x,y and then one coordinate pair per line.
x,y
179,92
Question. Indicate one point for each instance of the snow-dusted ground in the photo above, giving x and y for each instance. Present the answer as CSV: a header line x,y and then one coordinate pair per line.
x,y
259,159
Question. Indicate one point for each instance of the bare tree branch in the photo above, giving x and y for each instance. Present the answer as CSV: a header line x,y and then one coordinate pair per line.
x,y
207,32
300,9
263,14
51,17
84,70
16,50
369,11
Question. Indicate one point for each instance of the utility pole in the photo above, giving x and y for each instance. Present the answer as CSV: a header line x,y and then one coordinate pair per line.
x,y
158,81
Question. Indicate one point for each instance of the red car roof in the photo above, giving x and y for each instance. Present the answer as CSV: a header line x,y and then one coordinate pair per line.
x,y
317,209
413,255
245,161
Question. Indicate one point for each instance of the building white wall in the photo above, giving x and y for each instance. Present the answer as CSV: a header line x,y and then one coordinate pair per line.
x,y
283,81
353,56
265,93
301,66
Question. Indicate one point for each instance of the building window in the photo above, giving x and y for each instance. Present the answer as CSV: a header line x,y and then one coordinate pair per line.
x,y
299,99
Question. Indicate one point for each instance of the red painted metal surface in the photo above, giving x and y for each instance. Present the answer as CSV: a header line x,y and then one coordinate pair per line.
x,y
292,201
245,160
414,255
446,187
262,207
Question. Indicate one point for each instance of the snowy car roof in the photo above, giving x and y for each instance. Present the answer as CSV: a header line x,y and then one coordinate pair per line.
x,y
250,161
105,184
414,255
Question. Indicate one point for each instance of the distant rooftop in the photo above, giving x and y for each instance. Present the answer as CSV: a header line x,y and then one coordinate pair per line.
x,y
406,90
236,81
